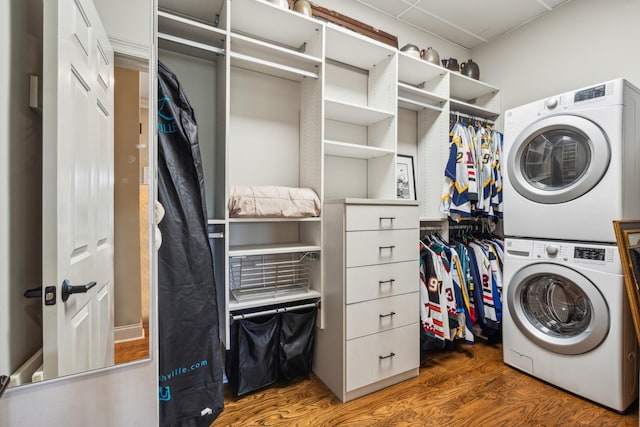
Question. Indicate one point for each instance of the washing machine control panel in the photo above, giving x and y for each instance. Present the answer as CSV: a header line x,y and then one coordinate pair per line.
x,y
594,254
573,253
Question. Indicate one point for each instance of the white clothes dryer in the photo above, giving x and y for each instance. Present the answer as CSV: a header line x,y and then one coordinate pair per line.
x,y
567,321
572,164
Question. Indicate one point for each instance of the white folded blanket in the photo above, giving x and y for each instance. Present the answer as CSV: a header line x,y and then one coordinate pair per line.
x,y
249,201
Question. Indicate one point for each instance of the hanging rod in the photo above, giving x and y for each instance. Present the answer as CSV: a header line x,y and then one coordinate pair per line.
x,y
431,228
218,235
275,310
468,116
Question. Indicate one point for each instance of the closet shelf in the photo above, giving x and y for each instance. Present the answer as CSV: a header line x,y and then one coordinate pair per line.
x,y
189,29
200,12
188,47
261,220
274,54
416,71
412,104
283,248
351,48
465,89
216,222
235,305
269,22
271,68
472,110
356,151
420,95
352,113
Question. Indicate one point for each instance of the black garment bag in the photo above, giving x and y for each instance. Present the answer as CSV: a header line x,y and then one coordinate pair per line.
x,y
190,358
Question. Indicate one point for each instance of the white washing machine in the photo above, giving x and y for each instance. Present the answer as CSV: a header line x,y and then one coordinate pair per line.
x,y
567,321
572,164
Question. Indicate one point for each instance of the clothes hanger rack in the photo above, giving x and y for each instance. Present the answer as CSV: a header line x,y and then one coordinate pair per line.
x,y
458,114
275,310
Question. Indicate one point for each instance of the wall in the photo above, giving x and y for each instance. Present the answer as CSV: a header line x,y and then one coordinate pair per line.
x,y
20,183
127,304
580,44
406,33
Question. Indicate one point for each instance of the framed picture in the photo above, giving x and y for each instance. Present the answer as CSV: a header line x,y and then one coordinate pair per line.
x,y
405,178
628,240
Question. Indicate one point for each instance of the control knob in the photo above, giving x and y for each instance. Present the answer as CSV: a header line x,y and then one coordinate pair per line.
x,y
552,250
551,103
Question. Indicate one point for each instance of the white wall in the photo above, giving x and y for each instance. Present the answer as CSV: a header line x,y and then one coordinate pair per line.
x,y
580,44
20,183
406,33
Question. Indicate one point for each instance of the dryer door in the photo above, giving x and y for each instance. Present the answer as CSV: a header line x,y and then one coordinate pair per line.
x,y
558,308
558,158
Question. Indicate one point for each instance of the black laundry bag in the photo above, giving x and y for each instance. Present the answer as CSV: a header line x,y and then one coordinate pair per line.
x,y
270,348
252,361
190,356
297,336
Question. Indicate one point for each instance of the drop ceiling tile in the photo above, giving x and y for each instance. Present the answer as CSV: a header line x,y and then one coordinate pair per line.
x,y
493,18
393,8
443,29
553,3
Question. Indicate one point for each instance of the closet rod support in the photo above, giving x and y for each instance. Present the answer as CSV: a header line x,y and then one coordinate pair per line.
x,y
275,311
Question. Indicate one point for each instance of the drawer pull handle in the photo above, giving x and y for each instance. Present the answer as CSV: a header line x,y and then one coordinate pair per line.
x,y
387,218
392,247
387,356
382,282
382,316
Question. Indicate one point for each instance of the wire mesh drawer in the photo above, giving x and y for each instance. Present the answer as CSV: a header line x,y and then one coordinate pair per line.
x,y
271,275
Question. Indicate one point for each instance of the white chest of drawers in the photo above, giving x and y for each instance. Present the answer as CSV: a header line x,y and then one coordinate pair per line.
x,y
371,337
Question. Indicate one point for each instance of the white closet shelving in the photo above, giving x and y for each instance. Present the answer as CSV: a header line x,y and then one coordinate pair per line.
x,y
427,94
474,97
286,100
274,138
359,116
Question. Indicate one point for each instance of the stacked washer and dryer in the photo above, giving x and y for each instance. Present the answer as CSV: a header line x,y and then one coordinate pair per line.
x,y
572,167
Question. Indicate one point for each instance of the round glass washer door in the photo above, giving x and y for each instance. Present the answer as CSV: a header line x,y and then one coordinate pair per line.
x,y
558,159
558,308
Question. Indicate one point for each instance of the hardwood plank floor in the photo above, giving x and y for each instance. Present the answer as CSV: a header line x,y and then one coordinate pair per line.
x,y
466,386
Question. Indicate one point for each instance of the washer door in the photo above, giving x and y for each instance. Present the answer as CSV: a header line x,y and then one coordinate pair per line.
x,y
558,159
558,308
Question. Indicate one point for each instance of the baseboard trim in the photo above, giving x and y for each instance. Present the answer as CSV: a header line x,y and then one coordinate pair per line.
x,y
128,333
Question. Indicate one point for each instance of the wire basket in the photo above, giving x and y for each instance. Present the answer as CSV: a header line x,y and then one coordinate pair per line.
x,y
272,275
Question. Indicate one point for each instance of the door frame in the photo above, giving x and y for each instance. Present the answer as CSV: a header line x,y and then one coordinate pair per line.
x,y
119,395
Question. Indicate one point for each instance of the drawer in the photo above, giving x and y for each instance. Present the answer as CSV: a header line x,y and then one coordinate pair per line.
x,y
385,280
371,317
380,217
379,247
379,356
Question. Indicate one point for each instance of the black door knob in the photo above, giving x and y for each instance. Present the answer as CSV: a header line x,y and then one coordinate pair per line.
x,y
68,289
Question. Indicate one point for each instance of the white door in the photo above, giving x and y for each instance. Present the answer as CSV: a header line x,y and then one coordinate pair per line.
x,y
77,190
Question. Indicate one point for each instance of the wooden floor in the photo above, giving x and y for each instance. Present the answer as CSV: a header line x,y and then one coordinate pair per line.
x,y
467,386
129,351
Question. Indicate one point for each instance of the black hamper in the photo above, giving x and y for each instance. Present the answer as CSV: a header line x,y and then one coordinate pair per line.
x,y
252,362
297,333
